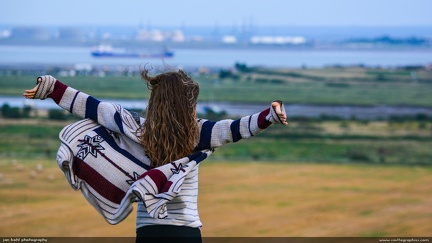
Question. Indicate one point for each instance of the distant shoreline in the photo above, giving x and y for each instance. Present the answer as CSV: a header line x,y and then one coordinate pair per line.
x,y
330,46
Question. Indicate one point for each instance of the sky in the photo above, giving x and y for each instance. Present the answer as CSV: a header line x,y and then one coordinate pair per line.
x,y
216,12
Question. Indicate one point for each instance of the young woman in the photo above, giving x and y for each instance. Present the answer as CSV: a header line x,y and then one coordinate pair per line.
x,y
170,131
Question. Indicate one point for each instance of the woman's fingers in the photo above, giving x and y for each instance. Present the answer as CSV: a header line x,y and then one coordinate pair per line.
x,y
30,93
283,118
278,108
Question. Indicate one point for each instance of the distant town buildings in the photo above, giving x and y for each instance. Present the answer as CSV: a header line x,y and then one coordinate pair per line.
x,y
246,34
5,34
267,40
30,33
70,33
229,39
160,36
278,40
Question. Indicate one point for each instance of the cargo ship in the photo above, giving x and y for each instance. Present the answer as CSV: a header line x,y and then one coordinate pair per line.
x,y
108,51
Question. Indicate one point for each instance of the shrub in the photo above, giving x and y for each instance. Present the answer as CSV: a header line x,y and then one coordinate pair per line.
x,y
357,155
10,112
55,114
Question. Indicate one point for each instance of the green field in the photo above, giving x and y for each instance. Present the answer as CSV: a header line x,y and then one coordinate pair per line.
x,y
376,142
346,86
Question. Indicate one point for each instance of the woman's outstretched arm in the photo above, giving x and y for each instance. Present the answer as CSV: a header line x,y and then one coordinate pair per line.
x,y
82,105
216,134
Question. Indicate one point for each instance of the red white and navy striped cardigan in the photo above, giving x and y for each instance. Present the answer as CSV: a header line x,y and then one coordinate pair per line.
x,y
101,156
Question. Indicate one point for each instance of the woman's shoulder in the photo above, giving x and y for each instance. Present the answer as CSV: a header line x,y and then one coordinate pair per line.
x,y
130,118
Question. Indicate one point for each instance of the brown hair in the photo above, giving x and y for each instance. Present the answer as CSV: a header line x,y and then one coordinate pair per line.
x,y
171,129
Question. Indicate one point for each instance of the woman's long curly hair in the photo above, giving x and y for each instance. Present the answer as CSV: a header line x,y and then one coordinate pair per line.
x,y
170,131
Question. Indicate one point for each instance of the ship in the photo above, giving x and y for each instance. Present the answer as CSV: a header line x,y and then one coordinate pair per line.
x,y
108,51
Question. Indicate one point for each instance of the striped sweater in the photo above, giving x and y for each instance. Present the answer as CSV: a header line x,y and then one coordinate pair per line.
x,y
102,157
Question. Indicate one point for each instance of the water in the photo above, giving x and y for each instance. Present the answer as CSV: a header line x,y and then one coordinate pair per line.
x,y
23,55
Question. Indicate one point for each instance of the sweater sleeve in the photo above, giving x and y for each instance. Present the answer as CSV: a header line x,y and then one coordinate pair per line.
x,y
216,134
111,116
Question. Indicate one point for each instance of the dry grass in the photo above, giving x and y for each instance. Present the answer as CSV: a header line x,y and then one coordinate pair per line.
x,y
315,200
47,206
239,199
